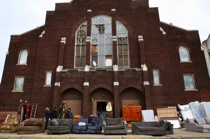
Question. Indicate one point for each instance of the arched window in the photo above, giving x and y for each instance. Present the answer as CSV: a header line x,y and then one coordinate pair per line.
x,y
122,45
80,48
101,43
184,54
23,56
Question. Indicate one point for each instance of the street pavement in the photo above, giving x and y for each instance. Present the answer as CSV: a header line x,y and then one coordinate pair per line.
x,y
178,134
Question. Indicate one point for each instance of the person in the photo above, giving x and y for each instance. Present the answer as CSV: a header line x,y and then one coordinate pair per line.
x,y
62,110
54,113
69,114
47,116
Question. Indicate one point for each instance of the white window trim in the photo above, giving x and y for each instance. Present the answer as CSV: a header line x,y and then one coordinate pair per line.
x,y
21,64
190,90
186,61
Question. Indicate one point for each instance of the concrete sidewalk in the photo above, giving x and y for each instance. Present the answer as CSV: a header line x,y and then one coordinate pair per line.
x,y
178,134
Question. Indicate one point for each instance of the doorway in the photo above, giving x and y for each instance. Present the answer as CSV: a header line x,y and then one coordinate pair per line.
x,y
101,110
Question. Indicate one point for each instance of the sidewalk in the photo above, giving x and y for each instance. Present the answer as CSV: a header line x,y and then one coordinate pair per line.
x,y
178,134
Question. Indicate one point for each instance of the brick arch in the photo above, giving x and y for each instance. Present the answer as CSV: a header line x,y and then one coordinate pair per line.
x,y
76,26
135,86
74,86
99,99
75,93
184,44
107,87
132,96
108,94
73,99
125,23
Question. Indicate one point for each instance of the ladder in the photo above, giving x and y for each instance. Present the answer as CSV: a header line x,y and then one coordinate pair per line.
x,y
33,110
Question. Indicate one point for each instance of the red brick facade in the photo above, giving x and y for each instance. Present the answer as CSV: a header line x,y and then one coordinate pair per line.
x,y
151,42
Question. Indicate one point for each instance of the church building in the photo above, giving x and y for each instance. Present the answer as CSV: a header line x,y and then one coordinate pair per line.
x,y
90,53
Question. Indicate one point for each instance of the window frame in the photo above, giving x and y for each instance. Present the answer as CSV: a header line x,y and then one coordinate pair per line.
x,y
80,46
23,57
122,45
186,82
158,77
48,80
101,29
183,50
15,89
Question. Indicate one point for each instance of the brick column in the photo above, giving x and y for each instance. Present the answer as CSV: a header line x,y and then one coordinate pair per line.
x,y
61,51
145,76
86,100
56,93
116,95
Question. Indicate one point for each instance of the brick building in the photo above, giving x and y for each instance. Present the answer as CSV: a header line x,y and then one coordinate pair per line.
x,y
91,52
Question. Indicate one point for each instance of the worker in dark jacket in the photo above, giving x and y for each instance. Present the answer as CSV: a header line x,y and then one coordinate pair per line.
x,y
69,114
47,116
54,113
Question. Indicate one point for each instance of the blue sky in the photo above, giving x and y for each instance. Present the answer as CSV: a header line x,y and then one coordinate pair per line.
x,y
19,16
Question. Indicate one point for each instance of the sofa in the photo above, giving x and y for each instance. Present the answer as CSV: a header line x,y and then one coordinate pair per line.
x,y
155,128
95,125
32,126
10,124
115,126
198,124
59,126
3,115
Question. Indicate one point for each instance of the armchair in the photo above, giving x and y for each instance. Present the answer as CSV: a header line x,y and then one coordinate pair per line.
x,y
115,126
81,126
95,125
11,123
32,126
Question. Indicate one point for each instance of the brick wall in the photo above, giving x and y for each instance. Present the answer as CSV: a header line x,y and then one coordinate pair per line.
x,y
160,52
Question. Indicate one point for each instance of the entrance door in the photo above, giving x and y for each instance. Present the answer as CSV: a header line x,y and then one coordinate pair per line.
x,y
99,99
101,109
25,110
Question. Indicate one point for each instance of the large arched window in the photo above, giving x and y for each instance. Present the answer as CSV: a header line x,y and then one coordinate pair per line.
x,y
184,54
80,48
122,45
101,43
23,56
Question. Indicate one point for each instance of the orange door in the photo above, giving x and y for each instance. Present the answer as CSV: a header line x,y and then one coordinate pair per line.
x,y
27,115
132,113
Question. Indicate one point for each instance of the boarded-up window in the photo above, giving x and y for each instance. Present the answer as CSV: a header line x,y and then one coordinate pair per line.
x,y
75,105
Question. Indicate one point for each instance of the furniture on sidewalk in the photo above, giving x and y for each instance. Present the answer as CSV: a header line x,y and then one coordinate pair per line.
x,y
59,126
169,114
160,127
81,126
3,115
198,124
95,125
132,113
32,126
10,124
115,126
148,115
